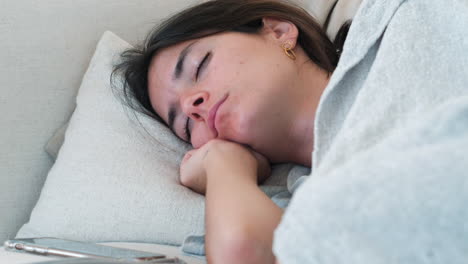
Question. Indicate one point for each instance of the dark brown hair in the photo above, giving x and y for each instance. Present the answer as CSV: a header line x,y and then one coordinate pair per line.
x,y
214,17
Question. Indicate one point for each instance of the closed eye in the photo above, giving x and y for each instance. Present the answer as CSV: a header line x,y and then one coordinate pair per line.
x,y
202,64
201,67
187,130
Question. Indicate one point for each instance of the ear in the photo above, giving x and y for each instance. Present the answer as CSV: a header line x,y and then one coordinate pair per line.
x,y
280,31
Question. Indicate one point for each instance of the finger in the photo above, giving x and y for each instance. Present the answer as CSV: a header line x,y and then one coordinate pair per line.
x,y
186,157
189,154
192,163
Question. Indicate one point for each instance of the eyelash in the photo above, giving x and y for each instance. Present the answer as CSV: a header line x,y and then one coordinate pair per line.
x,y
186,130
201,64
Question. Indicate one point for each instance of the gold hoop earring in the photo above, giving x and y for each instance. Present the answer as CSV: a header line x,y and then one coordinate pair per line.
x,y
288,50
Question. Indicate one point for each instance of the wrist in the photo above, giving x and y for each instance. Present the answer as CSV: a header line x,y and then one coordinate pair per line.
x,y
218,173
226,159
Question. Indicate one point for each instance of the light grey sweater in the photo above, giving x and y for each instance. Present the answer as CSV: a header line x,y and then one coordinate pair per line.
x,y
389,181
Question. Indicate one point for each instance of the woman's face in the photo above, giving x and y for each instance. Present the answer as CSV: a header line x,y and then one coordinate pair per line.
x,y
231,86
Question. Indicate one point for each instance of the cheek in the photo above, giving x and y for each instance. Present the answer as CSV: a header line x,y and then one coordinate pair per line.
x,y
237,120
253,113
230,67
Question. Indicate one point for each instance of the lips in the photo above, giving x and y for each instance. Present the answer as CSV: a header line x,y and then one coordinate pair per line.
x,y
212,115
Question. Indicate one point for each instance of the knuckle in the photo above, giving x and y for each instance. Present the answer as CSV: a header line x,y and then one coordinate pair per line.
x,y
182,177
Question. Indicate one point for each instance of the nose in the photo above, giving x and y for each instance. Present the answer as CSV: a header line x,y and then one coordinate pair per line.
x,y
195,106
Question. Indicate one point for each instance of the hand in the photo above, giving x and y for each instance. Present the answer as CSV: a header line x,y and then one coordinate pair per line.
x,y
219,156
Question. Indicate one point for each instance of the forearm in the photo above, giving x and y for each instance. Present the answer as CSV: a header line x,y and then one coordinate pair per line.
x,y
240,220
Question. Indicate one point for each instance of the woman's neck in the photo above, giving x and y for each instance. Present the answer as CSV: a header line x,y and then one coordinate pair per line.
x,y
311,83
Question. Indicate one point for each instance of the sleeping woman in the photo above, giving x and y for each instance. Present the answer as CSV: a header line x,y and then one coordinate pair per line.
x,y
381,119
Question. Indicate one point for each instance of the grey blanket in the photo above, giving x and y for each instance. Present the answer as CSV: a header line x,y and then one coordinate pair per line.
x,y
389,182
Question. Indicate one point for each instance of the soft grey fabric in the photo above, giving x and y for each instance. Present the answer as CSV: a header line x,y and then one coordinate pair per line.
x,y
45,49
390,164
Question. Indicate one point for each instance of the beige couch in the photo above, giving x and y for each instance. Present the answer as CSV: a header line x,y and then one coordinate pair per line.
x,y
45,49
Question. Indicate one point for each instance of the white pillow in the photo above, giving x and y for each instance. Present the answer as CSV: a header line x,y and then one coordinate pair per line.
x,y
112,181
